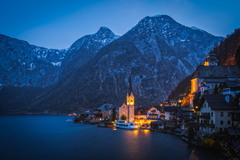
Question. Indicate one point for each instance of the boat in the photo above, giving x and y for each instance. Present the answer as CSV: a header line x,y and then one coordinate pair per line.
x,y
123,124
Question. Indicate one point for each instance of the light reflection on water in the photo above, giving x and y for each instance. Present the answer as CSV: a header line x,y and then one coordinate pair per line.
x,y
49,137
134,141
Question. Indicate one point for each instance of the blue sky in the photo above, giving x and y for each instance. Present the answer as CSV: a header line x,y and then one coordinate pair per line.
x,y
58,23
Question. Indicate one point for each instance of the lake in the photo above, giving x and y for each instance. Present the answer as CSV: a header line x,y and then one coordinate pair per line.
x,y
57,137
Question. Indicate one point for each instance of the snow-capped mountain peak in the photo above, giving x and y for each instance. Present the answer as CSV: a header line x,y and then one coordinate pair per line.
x,y
85,48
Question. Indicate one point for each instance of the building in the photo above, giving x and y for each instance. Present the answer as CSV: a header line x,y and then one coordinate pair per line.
x,y
140,113
106,111
216,113
126,111
141,116
207,78
236,119
171,112
187,114
230,88
154,113
211,60
215,92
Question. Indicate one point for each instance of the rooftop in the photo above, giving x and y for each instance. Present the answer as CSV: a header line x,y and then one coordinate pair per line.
x,y
171,108
217,72
218,102
141,111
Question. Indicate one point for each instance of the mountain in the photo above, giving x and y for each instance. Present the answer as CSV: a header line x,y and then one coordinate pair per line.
x,y
23,64
85,48
159,52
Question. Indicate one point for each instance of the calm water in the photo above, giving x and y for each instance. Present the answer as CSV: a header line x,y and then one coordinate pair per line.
x,y
56,137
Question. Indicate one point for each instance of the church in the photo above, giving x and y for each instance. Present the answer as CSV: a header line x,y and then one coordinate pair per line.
x,y
126,111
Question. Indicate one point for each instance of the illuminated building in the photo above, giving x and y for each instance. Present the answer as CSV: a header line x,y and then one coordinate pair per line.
x,y
154,113
127,109
211,60
208,76
215,113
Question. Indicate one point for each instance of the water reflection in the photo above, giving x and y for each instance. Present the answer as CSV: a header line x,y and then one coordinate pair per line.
x,y
135,133
146,131
137,143
50,138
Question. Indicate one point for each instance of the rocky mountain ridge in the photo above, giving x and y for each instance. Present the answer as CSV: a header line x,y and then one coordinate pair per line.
x,y
23,64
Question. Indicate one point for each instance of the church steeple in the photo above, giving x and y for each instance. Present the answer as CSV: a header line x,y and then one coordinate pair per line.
x,y
130,96
130,84
128,110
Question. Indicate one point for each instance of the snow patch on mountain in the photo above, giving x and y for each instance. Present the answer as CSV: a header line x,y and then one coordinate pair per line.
x,y
58,64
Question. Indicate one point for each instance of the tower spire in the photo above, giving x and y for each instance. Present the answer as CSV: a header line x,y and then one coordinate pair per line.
x,y
130,96
130,84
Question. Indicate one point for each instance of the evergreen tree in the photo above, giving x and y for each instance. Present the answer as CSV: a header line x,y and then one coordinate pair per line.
x,y
114,114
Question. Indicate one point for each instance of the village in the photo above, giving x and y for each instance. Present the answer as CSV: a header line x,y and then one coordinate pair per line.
x,y
212,118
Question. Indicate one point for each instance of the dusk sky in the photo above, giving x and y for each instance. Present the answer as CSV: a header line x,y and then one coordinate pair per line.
x,y
58,23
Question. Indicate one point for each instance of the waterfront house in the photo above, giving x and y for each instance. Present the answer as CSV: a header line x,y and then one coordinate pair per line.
x,y
215,113
97,115
154,112
140,113
106,111
170,112
141,116
187,114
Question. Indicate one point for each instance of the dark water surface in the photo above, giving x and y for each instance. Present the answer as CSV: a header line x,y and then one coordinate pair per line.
x,y
57,138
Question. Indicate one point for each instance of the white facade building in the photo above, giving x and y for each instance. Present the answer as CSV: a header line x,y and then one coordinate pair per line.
x,y
215,113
